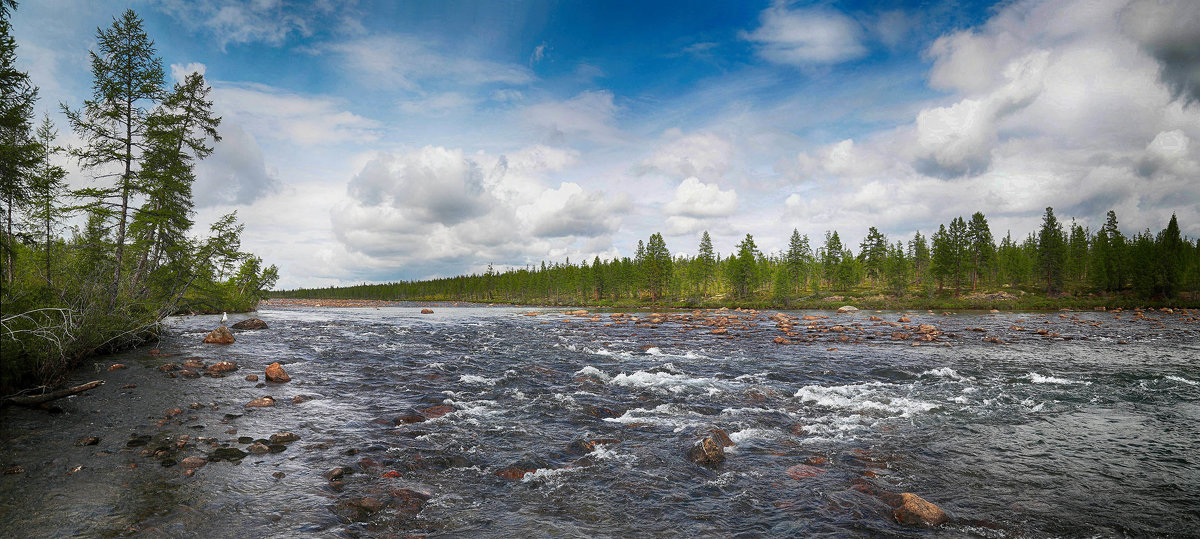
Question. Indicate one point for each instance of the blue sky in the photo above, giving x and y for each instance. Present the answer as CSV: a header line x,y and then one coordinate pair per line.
x,y
374,141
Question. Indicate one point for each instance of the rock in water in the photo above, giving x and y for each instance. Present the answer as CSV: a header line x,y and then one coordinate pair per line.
x,y
847,309
721,437
193,462
221,335
707,452
262,402
284,437
221,367
275,373
426,311
251,323
915,511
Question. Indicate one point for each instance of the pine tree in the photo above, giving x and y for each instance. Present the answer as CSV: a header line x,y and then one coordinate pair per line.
x,y
177,134
127,80
47,187
1077,255
980,246
1051,252
742,268
18,150
898,268
705,263
797,261
831,255
1171,251
873,252
918,252
658,266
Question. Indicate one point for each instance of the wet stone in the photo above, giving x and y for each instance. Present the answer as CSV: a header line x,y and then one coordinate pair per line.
x,y
138,441
284,437
258,448
88,440
230,454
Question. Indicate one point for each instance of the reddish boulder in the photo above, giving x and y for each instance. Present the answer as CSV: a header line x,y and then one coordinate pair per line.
x,y
426,311
284,437
193,462
434,412
275,373
915,511
251,323
707,452
117,367
251,377
221,335
719,436
221,367
261,402
193,363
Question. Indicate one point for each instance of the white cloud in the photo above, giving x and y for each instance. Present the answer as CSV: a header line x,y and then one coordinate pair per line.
x,y
278,114
268,21
589,116
438,105
572,211
705,155
539,53
431,185
697,199
807,36
401,61
235,173
1170,31
179,72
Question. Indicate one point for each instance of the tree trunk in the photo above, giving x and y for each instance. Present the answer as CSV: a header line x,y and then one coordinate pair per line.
x,y
53,395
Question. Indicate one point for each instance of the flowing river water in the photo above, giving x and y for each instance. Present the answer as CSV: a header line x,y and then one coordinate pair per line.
x,y
489,422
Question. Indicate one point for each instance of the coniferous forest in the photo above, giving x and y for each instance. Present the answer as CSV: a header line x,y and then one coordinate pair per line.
x,y
96,269
961,265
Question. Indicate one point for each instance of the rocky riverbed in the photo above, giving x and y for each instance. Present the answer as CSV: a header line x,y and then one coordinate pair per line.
x,y
494,421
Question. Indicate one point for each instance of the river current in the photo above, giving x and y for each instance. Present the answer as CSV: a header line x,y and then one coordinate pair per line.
x,y
491,422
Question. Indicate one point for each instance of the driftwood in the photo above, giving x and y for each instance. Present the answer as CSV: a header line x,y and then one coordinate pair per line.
x,y
34,400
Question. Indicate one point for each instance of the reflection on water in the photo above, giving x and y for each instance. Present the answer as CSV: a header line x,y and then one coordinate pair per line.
x,y
487,422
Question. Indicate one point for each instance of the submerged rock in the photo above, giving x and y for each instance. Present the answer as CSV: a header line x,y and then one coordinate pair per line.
x,y
251,377
284,437
847,309
193,462
721,437
89,440
117,367
221,367
275,373
258,448
252,323
231,454
261,402
915,511
707,452
221,335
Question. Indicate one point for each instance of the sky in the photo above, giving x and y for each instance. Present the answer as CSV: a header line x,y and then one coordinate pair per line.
x,y
372,141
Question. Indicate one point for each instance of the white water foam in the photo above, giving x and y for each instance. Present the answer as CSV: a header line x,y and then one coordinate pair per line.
x,y
592,372
1039,379
675,383
479,380
945,372
1182,379
863,397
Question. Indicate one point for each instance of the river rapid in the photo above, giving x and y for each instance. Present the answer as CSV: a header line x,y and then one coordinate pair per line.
x,y
492,422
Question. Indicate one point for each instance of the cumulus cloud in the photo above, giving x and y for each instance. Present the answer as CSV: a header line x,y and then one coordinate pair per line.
x,y
437,208
589,116
958,140
179,72
235,173
1169,30
704,155
807,36
696,199
431,185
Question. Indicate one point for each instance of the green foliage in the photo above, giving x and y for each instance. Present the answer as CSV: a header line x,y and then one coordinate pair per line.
x,y
65,298
1051,252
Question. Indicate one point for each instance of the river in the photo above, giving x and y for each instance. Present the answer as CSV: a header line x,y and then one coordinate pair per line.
x,y
491,422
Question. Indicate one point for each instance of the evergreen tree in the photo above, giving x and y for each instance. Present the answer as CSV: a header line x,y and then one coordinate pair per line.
x,y
127,80
705,263
19,151
658,266
981,247
873,252
831,255
1077,256
958,252
1051,252
1171,252
797,261
918,252
47,187
742,268
898,269
944,257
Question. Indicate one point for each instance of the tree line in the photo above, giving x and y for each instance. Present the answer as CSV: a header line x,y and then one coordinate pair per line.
x,y
958,265
107,282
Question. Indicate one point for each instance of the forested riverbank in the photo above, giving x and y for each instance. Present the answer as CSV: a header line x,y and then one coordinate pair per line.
x,y
96,269
958,267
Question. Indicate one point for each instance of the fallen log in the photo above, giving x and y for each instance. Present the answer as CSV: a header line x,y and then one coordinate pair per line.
x,y
34,400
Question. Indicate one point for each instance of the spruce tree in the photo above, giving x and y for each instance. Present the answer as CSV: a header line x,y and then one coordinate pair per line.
x,y
47,187
658,266
127,80
831,255
743,268
873,252
705,262
1051,252
981,247
797,261
918,252
18,149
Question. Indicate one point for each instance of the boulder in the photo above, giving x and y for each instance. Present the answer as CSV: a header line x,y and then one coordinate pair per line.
x,y
284,437
251,323
426,311
301,398
89,440
193,363
168,367
117,367
707,452
193,462
803,471
221,367
228,454
904,320
846,309
258,448
251,377
915,511
275,373
261,402
721,437
221,335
